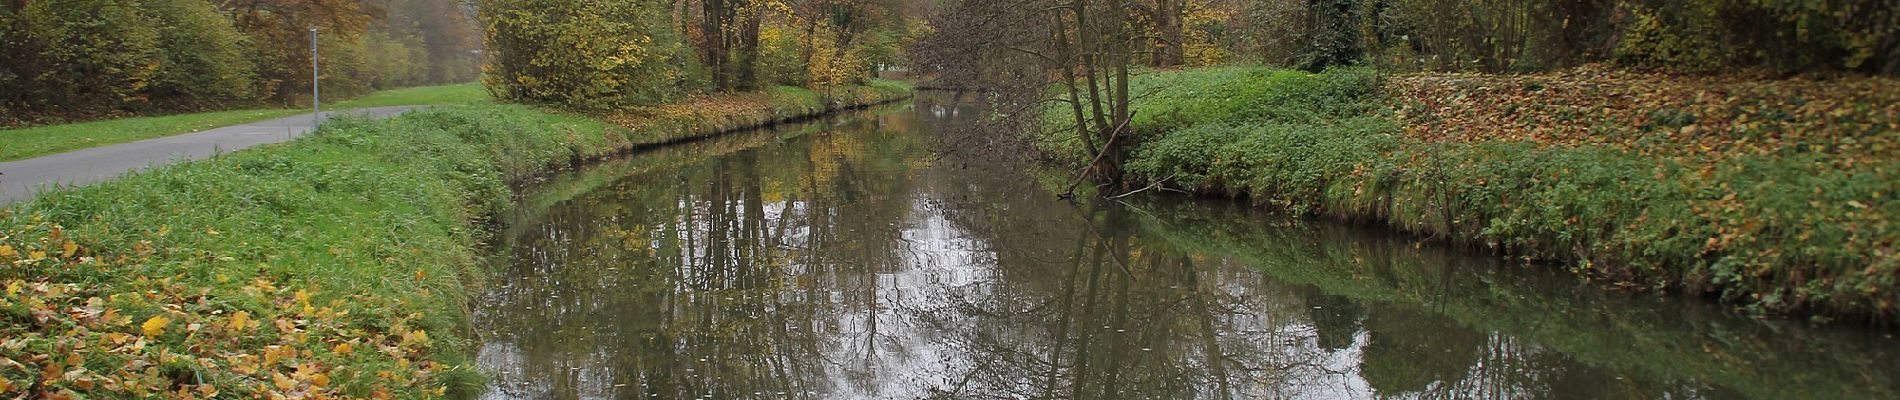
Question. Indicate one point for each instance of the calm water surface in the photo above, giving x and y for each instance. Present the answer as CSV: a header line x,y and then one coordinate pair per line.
x,y
851,259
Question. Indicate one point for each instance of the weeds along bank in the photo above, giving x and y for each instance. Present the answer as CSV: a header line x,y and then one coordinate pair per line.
x,y
1778,196
335,265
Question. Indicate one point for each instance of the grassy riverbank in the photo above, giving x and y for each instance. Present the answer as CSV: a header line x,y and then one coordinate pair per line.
x,y
338,264
1776,195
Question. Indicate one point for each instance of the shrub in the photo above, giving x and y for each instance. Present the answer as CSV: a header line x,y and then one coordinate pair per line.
x,y
204,63
590,55
91,56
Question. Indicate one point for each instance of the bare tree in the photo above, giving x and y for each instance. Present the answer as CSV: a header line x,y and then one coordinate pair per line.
x,y
1030,54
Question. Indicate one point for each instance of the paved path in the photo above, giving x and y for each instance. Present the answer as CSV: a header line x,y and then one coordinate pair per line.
x,y
20,180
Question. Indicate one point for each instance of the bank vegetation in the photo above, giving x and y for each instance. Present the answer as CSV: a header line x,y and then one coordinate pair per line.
x,y
336,265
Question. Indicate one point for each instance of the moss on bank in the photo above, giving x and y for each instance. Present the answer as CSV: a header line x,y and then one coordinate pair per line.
x,y
339,264
1799,226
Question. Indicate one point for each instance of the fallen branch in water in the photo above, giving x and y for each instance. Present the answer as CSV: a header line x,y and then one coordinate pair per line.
x,y
1151,186
1069,194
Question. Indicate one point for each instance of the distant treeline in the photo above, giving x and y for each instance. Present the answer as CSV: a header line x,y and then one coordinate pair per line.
x,y
1774,36
1691,36
608,54
83,59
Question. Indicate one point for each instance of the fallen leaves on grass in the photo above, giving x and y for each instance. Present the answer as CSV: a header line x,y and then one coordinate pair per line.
x,y
76,326
1854,120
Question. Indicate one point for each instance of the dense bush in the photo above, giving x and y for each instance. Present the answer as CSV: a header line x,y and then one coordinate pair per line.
x,y
88,56
591,55
203,62
1779,35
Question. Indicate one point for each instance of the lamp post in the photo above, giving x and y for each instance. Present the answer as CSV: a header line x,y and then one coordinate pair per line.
x,y
316,100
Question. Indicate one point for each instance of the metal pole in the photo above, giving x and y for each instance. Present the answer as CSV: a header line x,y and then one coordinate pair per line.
x,y
316,99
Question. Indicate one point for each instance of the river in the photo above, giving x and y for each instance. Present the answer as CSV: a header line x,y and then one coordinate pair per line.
x,y
851,258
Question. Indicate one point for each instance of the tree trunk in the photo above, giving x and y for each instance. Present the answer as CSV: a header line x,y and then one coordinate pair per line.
x,y
712,31
749,50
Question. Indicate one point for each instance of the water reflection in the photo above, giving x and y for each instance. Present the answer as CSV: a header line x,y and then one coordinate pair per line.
x,y
846,259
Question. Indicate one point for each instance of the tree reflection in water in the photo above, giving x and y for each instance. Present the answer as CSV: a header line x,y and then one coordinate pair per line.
x,y
846,259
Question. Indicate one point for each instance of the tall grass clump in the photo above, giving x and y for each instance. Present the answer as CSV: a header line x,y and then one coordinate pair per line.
x,y
336,265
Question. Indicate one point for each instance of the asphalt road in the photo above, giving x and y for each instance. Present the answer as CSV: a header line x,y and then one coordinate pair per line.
x,y
21,180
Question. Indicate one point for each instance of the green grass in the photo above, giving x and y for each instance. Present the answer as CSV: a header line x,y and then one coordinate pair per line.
x,y
446,94
37,141
363,233
1788,232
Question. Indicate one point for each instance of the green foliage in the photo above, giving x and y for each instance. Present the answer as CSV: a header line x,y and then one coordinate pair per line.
x,y
203,62
781,57
1652,41
399,61
1173,100
348,67
83,55
1285,164
591,55
1279,135
1333,37
1779,35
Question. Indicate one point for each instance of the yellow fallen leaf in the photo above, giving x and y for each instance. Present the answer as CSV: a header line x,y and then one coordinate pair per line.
x,y
282,382
341,348
154,326
70,248
320,380
303,296
8,251
13,288
241,321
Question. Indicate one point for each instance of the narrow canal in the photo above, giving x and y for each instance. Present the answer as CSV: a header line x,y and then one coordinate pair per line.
x,y
849,258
